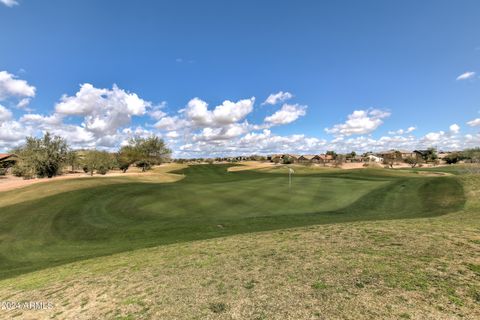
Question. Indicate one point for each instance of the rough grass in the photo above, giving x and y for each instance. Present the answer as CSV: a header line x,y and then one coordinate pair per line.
x,y
423,267
417,268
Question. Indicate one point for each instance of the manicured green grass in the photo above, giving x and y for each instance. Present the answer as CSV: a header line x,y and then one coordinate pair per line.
x,y
210,202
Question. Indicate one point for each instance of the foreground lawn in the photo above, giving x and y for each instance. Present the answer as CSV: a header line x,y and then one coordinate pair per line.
x,y
418,268
209,202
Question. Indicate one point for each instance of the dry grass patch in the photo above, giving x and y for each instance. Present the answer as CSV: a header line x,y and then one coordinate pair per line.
x,y
250,165
418,269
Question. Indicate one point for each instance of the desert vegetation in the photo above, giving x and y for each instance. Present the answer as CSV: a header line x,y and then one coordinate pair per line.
x,y
48,156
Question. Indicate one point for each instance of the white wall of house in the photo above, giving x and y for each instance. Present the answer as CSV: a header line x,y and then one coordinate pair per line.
x,y
373,158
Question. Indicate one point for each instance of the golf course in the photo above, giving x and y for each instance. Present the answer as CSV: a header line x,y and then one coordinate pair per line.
x,y
66,227
209,202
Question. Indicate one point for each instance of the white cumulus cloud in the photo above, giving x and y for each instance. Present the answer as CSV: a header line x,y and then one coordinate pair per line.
x,y
5,114
230,112
278,97
403,131
9,3
454,128
32,118
474,122
171,123
104,111
287,114
222,133
434,136
466,75
11,87
198,114
359,122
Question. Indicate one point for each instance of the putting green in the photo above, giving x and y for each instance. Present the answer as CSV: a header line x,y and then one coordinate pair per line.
x,y
209,202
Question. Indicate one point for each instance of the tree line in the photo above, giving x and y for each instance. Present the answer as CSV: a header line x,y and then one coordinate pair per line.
x,y
47,156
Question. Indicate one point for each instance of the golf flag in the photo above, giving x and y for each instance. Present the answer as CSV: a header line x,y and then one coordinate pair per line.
x,y
290,171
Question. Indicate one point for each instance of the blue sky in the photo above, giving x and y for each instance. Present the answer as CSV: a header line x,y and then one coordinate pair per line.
x,y
357,74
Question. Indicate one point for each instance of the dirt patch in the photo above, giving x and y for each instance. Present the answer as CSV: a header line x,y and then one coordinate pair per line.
x,y
350,166
11,182
250,165
433,173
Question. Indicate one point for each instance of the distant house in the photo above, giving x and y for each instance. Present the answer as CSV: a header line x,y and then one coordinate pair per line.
x,y
271,157
316,159
8,157
373,158
323,158
275,158
305,158
7,160
403,154
327,157
292,158
442,154
283,157
357,158
407,154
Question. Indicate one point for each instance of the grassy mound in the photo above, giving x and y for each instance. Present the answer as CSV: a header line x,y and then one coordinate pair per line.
x,y
209,202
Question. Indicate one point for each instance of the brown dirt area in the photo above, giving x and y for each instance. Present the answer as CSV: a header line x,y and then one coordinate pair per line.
x,y
10,182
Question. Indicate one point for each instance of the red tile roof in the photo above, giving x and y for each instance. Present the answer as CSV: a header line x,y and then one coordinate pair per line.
x,y
5,155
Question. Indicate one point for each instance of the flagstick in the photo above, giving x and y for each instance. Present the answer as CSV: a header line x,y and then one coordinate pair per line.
x,y
289,179
290,170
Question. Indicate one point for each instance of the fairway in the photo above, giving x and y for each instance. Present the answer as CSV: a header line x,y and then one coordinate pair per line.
x,y
209,202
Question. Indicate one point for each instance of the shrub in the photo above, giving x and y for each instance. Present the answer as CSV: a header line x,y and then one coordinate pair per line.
x,y
124,166
412,161
99,161
102,170
42,157
144,152
217,307
452,158
21,169
287,160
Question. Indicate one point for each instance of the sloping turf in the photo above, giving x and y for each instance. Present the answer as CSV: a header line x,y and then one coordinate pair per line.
x,y
209,202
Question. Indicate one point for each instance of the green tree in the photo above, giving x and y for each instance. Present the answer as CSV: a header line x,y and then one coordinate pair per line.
x,y
331,153
472,155
391,158
339,160
145,152
453,157
126,156
288,160
97,161
41,157
351,155
430,155
412,161
73,159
